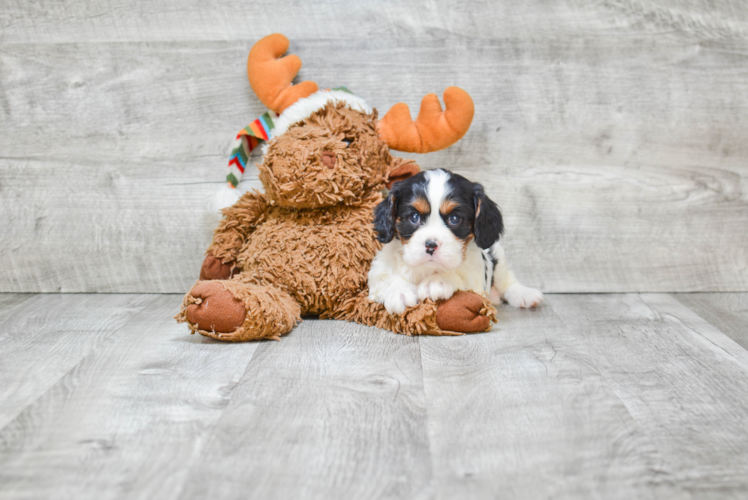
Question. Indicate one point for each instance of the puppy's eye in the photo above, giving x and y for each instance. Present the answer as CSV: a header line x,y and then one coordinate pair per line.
x,y
454,219
415,218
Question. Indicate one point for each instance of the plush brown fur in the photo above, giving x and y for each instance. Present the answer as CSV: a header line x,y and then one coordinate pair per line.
x,y
293,173
306,245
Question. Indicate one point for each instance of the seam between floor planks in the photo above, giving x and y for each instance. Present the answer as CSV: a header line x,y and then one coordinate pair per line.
x,y
674,378
49,336
701,337
53,419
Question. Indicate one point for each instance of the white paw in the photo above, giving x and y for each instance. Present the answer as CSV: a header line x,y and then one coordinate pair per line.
x,y
519,295
435,289
400,299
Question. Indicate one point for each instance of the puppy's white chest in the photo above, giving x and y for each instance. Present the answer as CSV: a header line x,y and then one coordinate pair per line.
x,y
472,274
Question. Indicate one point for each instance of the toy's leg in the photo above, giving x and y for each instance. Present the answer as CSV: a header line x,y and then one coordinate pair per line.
x,y
235,311
214,269
464,312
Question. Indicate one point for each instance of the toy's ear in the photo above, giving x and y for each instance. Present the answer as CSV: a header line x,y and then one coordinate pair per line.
x,y
384,217
401,170
489,224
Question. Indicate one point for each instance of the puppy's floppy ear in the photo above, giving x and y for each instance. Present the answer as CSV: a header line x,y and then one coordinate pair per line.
x,y
489,225
384,217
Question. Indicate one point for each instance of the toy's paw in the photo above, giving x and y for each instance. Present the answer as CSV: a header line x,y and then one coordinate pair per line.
x,y
214,269
462,313
519,295
215,310
435,289
400,299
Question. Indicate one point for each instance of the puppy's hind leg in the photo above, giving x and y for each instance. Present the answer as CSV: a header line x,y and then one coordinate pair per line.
x,y
506,287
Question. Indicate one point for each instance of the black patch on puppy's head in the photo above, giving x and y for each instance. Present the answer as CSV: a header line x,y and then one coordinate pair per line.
x,y
473,211
458,208
394,216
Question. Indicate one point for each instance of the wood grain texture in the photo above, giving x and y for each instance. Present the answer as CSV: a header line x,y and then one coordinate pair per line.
x,y
127,234
333,410
728,312
47,335
590,396
116,20
683,381
9,302
523,412
609,131
128,419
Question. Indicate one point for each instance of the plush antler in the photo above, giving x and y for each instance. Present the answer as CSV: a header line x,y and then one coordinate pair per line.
x,y
434,129
270,75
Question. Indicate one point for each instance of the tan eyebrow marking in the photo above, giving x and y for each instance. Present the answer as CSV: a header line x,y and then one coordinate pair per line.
x,y
422,205
447,206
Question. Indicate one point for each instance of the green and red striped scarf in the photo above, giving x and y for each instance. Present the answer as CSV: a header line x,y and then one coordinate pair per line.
x,y
246,141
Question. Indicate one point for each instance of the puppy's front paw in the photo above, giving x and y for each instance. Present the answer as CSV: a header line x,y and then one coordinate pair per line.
x,y
400,299
519,295
435,289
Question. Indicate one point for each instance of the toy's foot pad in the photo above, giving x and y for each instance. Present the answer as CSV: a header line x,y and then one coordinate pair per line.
x,y
214,269
462,313
215,308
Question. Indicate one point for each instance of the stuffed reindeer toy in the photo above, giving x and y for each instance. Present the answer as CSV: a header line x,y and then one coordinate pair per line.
x,y
304,246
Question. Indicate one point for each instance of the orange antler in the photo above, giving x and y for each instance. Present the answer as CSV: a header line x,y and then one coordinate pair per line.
x,y
270,75
434,129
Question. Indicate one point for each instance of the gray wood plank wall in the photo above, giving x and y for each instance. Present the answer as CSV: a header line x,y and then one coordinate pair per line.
x,y
611,132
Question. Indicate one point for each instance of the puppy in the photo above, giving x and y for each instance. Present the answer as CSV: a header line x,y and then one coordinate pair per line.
x,y
441,234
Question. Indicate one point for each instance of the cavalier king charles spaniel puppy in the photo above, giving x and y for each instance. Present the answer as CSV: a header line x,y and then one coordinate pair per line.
x,y
441,234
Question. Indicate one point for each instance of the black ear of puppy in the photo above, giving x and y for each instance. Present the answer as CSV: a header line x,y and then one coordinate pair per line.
x,y
384,218
489,226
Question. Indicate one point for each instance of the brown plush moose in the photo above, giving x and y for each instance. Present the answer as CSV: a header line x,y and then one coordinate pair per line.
x,y
305,246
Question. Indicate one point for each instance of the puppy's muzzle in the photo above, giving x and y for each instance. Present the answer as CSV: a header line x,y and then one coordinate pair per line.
x,y
431,246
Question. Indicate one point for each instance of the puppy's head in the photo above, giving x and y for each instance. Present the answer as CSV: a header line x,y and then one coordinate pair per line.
x,y
436,214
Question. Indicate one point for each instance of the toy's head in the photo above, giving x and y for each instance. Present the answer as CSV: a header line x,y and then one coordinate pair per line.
x,y
332,156
328,147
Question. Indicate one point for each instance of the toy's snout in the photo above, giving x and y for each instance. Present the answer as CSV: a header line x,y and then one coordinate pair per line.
x,y
328,159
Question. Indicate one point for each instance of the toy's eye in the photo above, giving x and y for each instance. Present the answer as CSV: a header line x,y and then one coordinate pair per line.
x,y
415,218
454,219
347,142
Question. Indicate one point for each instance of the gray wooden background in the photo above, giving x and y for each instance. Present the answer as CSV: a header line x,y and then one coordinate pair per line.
x,y
611,132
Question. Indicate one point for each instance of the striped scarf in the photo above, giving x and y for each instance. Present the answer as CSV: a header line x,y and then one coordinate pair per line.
x,y
249,138
246,141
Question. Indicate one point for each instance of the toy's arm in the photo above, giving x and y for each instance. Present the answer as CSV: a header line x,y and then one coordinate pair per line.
x,y
399,170
464,312
237,224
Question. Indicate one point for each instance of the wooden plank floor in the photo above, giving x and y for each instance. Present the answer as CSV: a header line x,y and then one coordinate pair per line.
x,y
591,396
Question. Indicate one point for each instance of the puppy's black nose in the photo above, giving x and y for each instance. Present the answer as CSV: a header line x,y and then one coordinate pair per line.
x,y
431,246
